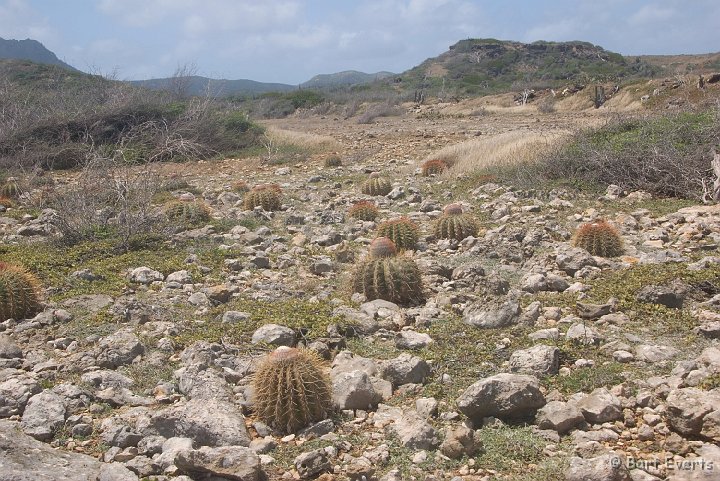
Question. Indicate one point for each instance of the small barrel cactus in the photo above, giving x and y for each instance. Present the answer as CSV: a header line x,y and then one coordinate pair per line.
x,y
376,185
454,224
385,275
291,389
363,210
433,167
190,212
599,238
267,196
403,232
240,187
19,293
10,189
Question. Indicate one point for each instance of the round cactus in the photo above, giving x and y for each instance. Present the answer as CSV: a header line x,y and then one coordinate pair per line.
x,y
403,232
454,224
382,247
240,187
6,202
10,189
599,238
268,196
376,185
363,210
19,293
291,389
188,211
433,167
385,275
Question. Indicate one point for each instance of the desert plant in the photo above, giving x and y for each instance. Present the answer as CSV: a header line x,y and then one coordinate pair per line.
x,y
433,167
454,224
240,187
188,212
385,275
599,238
6,202
10,189
363,210
291,389
402,231
376,185
19,293
333,161
268,196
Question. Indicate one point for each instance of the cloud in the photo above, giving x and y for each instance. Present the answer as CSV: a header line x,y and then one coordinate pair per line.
x,y
18,20
651,14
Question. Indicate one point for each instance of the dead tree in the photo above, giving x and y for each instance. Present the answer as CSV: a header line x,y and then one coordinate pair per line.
x,y
714,195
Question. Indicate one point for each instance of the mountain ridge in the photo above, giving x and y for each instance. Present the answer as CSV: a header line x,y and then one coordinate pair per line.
x,y
31,50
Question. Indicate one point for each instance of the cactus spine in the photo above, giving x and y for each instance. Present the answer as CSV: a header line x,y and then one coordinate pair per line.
x,y
267,196
19,293
291,389
376,185
454,224
385,275
363,210
403,232
599,238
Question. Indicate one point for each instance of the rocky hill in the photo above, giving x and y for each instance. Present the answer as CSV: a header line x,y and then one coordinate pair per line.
x,y
29,49
484,66
197,85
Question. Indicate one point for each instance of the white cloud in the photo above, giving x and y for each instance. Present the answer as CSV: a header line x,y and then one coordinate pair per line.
x,y
18,20
651,14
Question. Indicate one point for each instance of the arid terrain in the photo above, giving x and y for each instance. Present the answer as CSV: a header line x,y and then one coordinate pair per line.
x,y
521,356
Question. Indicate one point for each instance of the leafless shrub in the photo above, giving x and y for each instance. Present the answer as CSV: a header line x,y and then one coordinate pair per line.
x,y
373,111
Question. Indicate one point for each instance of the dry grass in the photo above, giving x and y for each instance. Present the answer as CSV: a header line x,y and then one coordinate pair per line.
x,y
302,140
509,148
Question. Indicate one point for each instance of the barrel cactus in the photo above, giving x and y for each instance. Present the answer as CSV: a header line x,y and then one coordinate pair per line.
x,y
599,238
386,275
240,187
10,189
376,185
189,212
291,389
433,167
403,232
267,196
19,293
333,161
454,224
363,210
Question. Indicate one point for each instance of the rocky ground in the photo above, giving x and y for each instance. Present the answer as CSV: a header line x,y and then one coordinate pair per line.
x,y
530,359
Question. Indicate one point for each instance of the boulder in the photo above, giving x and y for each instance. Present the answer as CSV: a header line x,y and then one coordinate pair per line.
x,y
502,396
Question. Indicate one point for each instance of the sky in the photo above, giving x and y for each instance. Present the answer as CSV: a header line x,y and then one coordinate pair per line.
x,y
290,41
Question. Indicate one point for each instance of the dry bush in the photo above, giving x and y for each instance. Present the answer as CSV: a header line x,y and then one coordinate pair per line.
x,y
384,109
314,142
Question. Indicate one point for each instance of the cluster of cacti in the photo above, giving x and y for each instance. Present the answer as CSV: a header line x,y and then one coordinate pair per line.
x,y
454,224
599,238
376,185
10,188
333,161
187,211
19,293
402,231
363,210
240,187
385,275
291,389
268,196
433,167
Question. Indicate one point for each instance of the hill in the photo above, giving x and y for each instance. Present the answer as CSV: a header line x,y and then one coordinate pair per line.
x,y
29,50
682,64
486,66
196,85
346,78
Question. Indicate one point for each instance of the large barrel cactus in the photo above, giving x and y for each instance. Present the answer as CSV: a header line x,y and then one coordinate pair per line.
x,y
19,293
363,210
188,212
599,238
376,185
455,224
267,196
402,231
291,389
385,275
